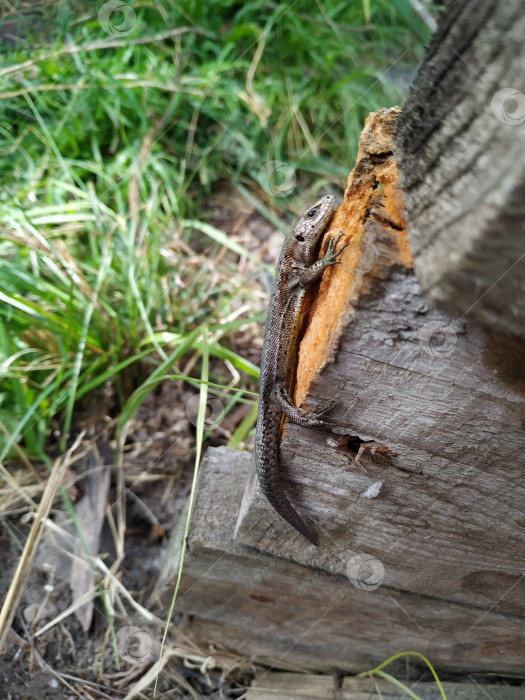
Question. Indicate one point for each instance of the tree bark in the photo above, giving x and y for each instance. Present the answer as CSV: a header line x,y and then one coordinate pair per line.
x,y
460,145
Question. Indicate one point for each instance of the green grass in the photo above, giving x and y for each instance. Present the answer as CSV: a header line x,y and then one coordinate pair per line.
x,y
378,672
113,147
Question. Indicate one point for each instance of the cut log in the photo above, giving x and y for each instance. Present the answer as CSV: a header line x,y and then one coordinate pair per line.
x,y
416,493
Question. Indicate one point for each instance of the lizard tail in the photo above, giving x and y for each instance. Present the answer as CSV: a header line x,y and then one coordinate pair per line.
x,y
278,500
293,517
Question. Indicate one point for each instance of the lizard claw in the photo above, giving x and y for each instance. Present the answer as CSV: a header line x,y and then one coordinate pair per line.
x,y
314,417
321,410
331,255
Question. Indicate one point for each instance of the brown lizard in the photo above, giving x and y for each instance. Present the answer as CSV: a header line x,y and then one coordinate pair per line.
x,y
296,269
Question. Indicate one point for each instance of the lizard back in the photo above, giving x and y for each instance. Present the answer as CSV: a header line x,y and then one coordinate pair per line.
x,y
295,269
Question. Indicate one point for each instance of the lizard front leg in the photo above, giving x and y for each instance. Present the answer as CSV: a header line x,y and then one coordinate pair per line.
x,y
315,271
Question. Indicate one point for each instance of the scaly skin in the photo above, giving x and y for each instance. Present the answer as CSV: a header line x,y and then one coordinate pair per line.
x,y
296,269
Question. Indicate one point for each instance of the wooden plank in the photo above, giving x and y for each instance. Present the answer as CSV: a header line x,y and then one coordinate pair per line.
x,y
459,145
293,686
281,612
355,689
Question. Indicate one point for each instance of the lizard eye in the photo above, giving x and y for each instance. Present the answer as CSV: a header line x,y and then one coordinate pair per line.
x,y
299,238
311,213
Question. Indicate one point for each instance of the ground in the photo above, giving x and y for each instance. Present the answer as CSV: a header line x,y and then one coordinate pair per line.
x,y
157,469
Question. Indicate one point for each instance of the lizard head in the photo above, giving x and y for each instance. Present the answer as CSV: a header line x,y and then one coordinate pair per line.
x,y
313,222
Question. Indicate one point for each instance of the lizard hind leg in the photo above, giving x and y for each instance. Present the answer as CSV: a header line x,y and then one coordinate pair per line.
x,y
308,419
318,411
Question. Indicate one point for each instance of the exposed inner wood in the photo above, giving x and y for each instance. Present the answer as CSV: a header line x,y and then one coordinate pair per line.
x,y
373,194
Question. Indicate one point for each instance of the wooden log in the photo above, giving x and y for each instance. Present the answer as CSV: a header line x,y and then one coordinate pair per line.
x,y
459,144
282,613
416,493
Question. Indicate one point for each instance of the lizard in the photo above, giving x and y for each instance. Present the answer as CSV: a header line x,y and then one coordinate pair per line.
x,y
296,269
